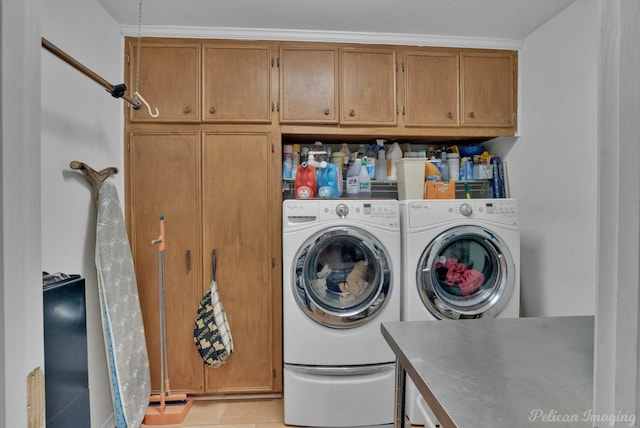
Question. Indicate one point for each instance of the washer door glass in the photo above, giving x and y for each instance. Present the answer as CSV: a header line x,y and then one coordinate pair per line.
x,y
466,272
342,277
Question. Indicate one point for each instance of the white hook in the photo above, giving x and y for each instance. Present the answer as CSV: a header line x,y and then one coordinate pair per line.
x,y
137,94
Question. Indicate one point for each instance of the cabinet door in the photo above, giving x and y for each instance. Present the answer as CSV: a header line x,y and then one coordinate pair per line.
x,y
308,90
164,173
237,83
431,89
236,224
368,87
168,79
488,89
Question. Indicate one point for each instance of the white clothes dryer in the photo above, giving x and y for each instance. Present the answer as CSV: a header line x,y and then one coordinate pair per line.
x,y
460,259
341,279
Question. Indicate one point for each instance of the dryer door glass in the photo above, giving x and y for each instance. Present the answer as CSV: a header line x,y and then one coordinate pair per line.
x,y
466,272
342,277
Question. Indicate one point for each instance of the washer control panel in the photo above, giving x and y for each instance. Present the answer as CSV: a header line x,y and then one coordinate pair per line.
x,y
375,212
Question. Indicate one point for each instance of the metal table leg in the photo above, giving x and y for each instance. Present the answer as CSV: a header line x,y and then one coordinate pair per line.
x,y
399,398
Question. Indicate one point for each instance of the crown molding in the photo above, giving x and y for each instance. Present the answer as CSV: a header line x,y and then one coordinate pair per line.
x,y
320,36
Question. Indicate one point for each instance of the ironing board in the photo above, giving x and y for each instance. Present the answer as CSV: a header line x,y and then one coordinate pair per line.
x,y
122,322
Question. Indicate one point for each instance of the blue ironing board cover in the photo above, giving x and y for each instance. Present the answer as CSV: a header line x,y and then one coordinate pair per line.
x,y
121,315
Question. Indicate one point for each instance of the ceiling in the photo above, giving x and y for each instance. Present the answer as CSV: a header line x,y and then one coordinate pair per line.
x,y
487,19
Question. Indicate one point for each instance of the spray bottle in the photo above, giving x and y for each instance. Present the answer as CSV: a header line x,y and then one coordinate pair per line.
x,y
353,178
364,180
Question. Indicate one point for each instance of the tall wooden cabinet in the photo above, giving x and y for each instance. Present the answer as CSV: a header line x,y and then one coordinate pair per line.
x,y
237,222
215,191
164,180
214,176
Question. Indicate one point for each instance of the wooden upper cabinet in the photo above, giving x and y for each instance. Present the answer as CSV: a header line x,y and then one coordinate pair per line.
x,y
237,83
368,86
168,79
431,89
488,82
308,85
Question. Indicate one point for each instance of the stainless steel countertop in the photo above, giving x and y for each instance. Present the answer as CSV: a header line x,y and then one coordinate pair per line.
x,y
499,372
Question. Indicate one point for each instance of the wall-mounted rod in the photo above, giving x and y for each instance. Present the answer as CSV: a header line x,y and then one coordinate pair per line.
x,y
117,91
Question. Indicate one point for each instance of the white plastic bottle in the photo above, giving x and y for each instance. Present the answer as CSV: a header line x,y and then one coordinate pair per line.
x,y
393,155
365,180
453,160
381,164
353,179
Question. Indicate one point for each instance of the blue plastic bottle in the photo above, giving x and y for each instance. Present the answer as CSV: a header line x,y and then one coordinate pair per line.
x,y
329,181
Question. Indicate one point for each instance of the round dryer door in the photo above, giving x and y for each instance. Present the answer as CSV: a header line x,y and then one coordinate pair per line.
x,y
466,272
342,277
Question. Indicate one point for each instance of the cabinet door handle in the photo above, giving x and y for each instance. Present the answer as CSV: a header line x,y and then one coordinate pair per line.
x,y
472,115
188,260
352,112
450,115
212,110
187,110
327,111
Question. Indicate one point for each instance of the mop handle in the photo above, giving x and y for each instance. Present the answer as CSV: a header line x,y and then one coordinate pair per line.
x,y
164,369
160,239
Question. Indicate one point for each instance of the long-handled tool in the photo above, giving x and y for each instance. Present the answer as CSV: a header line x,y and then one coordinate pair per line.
x,y
165,408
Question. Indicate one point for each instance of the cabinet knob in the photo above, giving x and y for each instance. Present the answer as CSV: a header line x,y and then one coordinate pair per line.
x,y
472,115
187,110
212,110
450,115
326,112
352,112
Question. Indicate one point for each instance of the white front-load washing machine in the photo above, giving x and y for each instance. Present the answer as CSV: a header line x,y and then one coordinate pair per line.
x,y
341,279
460,259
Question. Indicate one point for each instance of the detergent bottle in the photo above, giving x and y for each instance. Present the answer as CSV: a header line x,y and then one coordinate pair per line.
x,y
329,180
305,184
381,163
364,180
353,178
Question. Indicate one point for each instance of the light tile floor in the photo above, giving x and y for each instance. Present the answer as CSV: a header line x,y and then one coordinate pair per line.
x,y
258,413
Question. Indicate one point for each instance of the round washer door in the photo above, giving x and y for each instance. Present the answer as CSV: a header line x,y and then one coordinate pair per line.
x,y
342,277
466,272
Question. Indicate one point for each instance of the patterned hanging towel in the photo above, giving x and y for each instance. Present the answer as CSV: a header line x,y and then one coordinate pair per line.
x,y
211,333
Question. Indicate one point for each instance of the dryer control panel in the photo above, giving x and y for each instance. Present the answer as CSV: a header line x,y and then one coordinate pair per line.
x,y
430,212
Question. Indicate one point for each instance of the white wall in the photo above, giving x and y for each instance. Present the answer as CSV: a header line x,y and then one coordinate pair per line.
x,y
553,165
21,351
80,121
617,355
